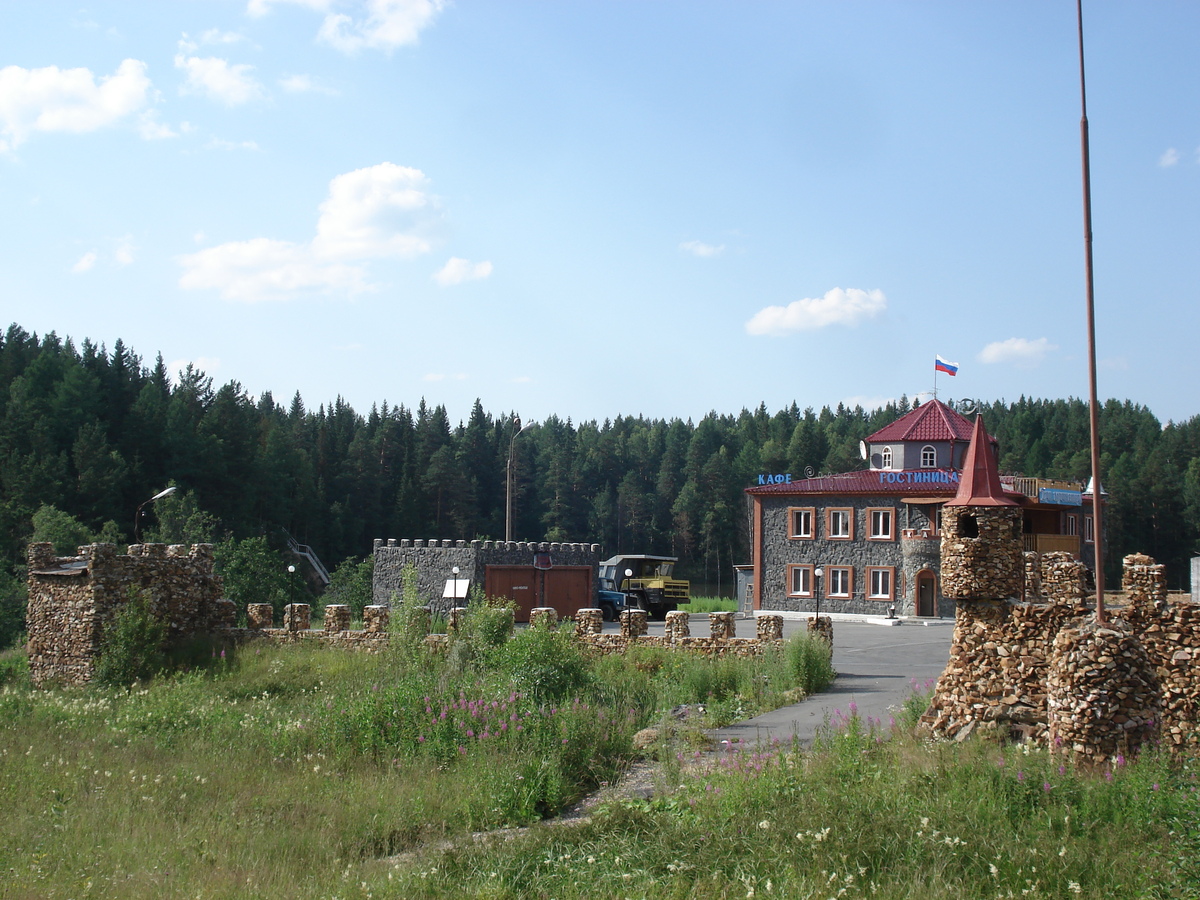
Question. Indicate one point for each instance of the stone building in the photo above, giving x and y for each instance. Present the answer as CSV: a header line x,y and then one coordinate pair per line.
x,y
861,542
73,598
531,574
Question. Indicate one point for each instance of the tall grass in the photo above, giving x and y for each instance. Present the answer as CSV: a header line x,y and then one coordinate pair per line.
x,y
283,772
709,604
869,813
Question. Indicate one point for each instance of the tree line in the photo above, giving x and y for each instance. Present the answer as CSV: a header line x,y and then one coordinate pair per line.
x,y
90,433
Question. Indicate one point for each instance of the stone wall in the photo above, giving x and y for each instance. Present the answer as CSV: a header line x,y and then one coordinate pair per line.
x,y
587,630
780,551
1047,672
73,598
434,562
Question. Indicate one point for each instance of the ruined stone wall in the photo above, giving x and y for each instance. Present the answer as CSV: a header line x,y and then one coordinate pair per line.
x,y
1046,672
72,599
722,642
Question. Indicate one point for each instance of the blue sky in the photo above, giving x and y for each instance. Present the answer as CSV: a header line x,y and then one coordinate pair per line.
x,y
599,208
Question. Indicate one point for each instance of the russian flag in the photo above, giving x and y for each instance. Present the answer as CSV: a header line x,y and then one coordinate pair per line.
x,y
942,365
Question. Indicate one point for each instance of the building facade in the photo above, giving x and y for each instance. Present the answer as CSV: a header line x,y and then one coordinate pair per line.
x,y
867,541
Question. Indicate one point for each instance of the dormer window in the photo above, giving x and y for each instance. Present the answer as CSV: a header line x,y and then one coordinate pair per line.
x,y
887,457
928,457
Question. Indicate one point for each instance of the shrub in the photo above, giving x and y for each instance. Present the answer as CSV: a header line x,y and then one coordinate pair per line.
x,y
131,648
811,659
547,665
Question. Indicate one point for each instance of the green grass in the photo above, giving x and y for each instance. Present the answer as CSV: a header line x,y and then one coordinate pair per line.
x,y
294,772
283,772
709,604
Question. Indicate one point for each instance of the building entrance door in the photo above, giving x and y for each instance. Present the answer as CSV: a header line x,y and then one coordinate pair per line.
x,y
926,594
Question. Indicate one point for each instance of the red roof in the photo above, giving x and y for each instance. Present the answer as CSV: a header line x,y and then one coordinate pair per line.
x,y
980,477
932,421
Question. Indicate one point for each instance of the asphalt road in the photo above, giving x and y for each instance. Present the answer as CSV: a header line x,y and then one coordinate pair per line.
x,y
877,668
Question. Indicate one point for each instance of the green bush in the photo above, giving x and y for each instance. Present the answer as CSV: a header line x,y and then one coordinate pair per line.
x,y
12,611
131,648
811,660
547,665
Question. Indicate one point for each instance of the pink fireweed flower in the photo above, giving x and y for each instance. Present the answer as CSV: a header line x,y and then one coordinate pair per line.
x,y
1047,786
1020,775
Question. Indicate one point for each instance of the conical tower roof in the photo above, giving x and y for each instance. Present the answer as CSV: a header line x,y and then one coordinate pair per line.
x,y
980,485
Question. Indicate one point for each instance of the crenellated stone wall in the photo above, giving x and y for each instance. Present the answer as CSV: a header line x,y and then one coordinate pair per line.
x,y
73,598
434,561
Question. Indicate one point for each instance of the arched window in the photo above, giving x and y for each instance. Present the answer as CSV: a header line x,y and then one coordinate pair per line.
x,y
887,457
928,457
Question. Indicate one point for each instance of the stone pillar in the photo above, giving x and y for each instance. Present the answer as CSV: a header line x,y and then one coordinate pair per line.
x,y
337,617
1063,578
296,617
722,624
224,614
633,622
821,626
546,616
375,619
677,626
260,615
770,628
589,621
1103,695
455,619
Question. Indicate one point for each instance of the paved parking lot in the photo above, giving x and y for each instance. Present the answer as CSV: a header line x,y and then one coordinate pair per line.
x,y
877,666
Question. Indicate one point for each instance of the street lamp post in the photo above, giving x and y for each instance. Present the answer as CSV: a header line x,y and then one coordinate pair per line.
x,y
292,585
454,590
817,573
137,516
509,478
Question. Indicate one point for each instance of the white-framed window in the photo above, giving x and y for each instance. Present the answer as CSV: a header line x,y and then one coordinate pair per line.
x,y
800,522
800,581
839,581
881,581
1072,524
839,524
886,456
929,457
882,527
1089,530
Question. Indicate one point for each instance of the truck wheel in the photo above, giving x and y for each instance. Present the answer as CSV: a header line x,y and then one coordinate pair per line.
x,y
610,612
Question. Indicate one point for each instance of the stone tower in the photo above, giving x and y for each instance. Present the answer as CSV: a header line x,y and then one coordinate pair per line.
x,y
981,531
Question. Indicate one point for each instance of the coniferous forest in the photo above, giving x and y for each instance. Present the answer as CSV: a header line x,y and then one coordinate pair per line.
x,y
88,433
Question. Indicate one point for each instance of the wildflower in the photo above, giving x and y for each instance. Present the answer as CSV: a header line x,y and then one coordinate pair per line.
x,y
1020,775
1154,787
1074,888
764,825
1047,786
992,868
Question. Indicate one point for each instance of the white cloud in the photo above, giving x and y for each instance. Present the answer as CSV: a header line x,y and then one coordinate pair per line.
x,y
837,307
258,8
216,78
699,248
85,262
51,99
457,270
217,36
153,130
123,255
1019,351
263,269
376,212
304,84
1169,158
222,144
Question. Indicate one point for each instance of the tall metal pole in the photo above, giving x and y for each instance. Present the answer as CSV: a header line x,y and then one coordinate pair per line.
x,y
1093,400
508,480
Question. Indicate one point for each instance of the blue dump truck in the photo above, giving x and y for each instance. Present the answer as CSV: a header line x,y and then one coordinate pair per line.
x,y
640,581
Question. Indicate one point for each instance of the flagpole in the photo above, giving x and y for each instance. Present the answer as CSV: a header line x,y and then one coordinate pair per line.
x,y
1093,400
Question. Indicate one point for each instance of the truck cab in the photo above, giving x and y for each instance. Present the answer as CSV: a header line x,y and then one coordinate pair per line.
x,y
646,582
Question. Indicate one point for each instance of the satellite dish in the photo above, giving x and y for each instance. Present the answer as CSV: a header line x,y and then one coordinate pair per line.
x,y
862,449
